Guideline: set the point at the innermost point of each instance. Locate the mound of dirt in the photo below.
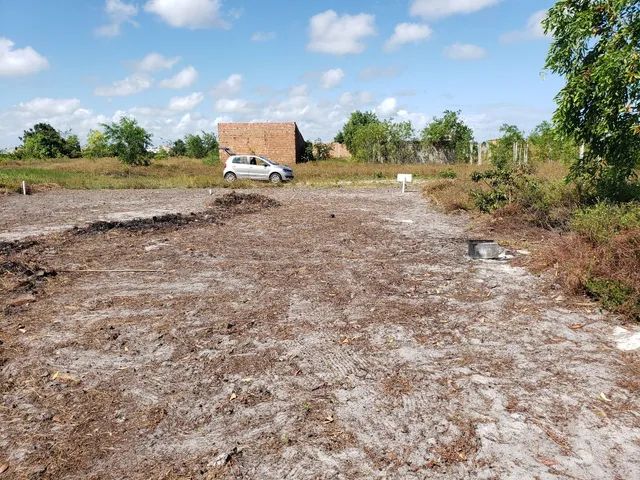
(218, 210)
(235, 199)
(20, 277)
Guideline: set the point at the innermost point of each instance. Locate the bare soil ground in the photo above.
(342, 334)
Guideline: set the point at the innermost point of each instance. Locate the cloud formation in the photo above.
(154, 62)
(405, 33)
(183, 79)
(332, 78)
(465, 51)
(433, 9)
(340, 34)
(182, 104)
(119, 13)
(192, 14)
(533, 30)
(130, 85)
(15, 62)
(229, 86)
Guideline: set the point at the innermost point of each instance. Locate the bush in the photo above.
(613, 294)
(602, 221)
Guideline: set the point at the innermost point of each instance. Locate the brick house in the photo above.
(281, 142)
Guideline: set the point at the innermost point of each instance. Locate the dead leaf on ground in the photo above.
(3, 467)
(577, 326)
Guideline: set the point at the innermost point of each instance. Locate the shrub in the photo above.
(602, 221)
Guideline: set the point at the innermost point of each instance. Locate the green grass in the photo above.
(109, 173)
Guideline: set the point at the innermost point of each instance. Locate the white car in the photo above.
(254, 167)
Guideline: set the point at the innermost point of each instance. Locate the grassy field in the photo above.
(109, 173)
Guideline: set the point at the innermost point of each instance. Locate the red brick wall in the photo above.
(281, 142)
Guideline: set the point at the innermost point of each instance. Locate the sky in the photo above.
(183, 66)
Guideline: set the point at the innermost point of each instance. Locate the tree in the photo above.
(596, 47)
(322, 150)
(195, 146)
(384, 142)
(449, 132)
(43, 141)
(72, 147)
(97, 145)
(178, 149)
(356, 121)
(128, 141)
(502, 149)
(548, 144)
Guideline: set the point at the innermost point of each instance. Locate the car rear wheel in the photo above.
(275, 178)
(230, 177)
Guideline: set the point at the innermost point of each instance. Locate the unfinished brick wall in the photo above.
(339, 150)
(281, 142)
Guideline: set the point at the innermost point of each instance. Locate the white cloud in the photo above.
(532, 31)
(49, 106)
(299, 91)
(263, 36)
(19, 61)
(340, 35)
(183, 79)
(445, 8)
(465, 51)
(191, 14)
(387, 108)
(229, 86)
(64, 114)
(154, 62)
(182, 104)
(128, 86)
(332, 78)
(228, 105)
(374, 73)
(407, 33)
(118, 12)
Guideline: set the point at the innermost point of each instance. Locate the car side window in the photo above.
(240, 160)
(253, 161)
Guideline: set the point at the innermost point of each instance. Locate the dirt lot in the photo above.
(342, 334)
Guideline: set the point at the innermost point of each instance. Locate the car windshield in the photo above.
(269, 161)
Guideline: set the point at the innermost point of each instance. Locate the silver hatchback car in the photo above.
(254, 167)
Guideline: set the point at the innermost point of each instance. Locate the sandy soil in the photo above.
(343, 334)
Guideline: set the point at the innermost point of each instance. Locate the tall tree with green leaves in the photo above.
(596, 47)
(97, 145)
(356, 121)
(449, 132)
(43, 141)
(129, 141)
(547, 144)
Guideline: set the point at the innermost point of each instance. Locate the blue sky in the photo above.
(181, 66)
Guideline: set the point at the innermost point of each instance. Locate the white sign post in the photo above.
(405, 178)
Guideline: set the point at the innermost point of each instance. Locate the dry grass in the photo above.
(109, 173)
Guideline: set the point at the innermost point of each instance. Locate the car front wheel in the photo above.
(275, 178)
(230, 177)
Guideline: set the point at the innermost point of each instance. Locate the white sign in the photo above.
(405, 178)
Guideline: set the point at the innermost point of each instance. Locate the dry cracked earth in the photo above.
(343, 334)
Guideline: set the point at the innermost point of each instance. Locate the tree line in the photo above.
(124, 139)
(370, 139)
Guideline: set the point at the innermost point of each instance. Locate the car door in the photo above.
(241, 167)
(262, 169)
(256, 169)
